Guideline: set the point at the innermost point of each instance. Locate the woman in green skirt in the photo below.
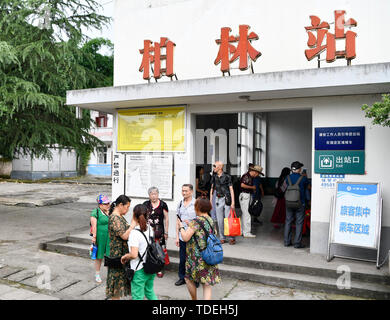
(99, 222)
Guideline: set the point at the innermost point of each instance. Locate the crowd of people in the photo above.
(122, 243)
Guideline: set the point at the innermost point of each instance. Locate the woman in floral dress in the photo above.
(196, 269)
(118, 231)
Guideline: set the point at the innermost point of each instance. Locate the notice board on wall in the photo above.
(149, 170)
(156, 129)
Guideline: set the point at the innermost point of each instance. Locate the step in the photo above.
(312, 267)
(255, 273)
(359, 289)
(323, 271)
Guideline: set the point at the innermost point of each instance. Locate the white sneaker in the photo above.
(249, 235)
(97, 278)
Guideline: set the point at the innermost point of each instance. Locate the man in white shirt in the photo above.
(186, 212)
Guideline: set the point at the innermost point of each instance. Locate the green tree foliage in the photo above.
(379, 111)
(40, 58)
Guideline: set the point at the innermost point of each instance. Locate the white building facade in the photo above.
(274, 110)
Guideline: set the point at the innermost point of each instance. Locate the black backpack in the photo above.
(155, 256)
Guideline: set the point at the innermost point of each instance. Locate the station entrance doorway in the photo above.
(272, 140)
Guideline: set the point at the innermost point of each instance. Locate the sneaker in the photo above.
(249, 235)
(299, 246)
(97, 278)
(160, 274)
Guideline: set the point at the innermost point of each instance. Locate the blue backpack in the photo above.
(213, 253)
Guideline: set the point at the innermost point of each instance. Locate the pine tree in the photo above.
(40, 58)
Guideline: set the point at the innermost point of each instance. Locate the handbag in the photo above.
(129, 273)
(255, 208)
(232, 225)
(112, 262)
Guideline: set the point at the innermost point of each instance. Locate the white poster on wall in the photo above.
(149, 170)
(117, 176)
(356, 214)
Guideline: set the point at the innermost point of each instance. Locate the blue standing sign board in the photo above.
(356, 217)
(340, 138)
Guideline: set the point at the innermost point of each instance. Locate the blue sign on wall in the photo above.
(340, 138)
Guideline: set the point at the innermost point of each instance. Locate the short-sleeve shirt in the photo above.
(186, 213)
(136, 239)
(248, 180)
(221, 184)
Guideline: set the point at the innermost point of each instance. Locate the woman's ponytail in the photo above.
(140, 212)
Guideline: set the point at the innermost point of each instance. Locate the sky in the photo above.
(108, 10)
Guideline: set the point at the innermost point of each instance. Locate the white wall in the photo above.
(345, 111)
(289, 139)
(194, 25)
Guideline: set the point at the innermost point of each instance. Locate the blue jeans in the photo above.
(182, 263)
(299, 215)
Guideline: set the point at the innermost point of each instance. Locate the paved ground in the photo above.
(29, 273)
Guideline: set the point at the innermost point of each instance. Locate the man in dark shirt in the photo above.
(297, 213)
(222, 184)
(247, 189)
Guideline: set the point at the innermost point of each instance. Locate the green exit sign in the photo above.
(335, 161)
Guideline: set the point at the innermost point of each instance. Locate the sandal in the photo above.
(232, 242)
(98, 279)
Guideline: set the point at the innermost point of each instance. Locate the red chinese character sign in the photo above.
(322, 29)
(228, 52)
(152, 55)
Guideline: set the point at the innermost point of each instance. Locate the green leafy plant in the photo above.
(379, 111)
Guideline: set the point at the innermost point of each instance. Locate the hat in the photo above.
(296, 165)
(102, 199)
(258, 169)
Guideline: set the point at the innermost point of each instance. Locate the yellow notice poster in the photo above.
(151, 129)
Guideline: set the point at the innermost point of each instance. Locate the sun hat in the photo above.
(102, 199)
(258, 169)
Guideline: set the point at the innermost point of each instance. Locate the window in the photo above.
(102, 155)
(242, 141)
(257, 139)
(101, 120)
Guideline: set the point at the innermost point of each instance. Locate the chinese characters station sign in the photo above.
(152, 55)
(315, 42)
(239, 47)
(228, 53)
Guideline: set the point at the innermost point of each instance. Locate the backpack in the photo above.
(293, 194)
(155, 256)
(255, 208)
(213, 253)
